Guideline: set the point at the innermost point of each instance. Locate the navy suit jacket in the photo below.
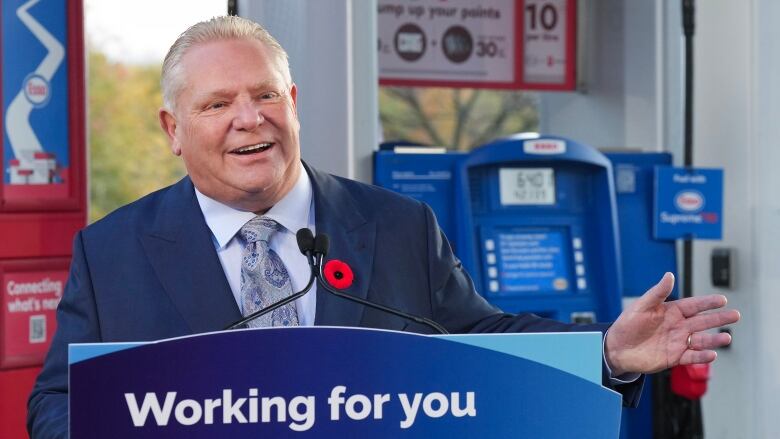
(150, 271)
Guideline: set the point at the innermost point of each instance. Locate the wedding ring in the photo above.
(689, 340)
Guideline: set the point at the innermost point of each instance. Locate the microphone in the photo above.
(321, 246)
(307, 246)
(315, 249)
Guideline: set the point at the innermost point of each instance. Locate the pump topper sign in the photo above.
(688, 203)
(503, 44)
(39, 133)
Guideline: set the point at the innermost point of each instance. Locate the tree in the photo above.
(457, 118)
(129, 154)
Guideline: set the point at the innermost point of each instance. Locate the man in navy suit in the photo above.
(169, 264)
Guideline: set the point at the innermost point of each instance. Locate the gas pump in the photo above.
(43, 187)
(644, 259)
(424, 173)
(532, 218)
(538, 227)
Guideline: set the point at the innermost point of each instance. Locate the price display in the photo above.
(548, 44)
(526, 186)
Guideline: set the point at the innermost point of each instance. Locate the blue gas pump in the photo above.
(549, 247)
(537, 227)
(534, 218)
(644, 259)
(423, 173)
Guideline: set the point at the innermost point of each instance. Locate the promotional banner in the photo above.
(506, 44)
(36, 125)
(28, 317)
(548, 48)
(343, 382)
(688, 203)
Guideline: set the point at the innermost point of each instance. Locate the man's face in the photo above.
(235, 124)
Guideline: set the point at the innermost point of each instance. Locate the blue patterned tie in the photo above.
(264, 278)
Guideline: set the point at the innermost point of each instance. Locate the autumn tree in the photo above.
(459, 119)
(128, 152)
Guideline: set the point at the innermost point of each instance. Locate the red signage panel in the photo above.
(548, 29)
(31, 291)
(499, 44)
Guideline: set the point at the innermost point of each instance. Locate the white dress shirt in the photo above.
(294, 212)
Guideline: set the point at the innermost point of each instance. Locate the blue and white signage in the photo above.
(688, 203)
(35, 138)
(348, 383)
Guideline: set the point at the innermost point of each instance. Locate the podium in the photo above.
(343, 382)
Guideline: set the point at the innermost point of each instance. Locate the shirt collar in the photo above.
(292, 211)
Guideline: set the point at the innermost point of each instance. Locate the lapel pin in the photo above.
(338, 274)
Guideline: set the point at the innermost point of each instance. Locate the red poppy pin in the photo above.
(338, 274)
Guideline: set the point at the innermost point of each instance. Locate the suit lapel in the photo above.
(180, 249)
(351, 241)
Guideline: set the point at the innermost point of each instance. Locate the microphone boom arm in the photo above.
(280, 303)
(315, 250)
(417, 319)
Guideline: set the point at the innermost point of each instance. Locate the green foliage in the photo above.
(456, 118)
(128, 152)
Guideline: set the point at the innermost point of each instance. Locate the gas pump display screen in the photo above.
(532, 260)
(526, 186)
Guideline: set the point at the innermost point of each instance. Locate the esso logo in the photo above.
(689, 201)
(542, 146)
(37, 90)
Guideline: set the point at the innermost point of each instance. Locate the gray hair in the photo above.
(215, 29)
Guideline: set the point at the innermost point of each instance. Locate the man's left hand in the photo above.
(652, 335)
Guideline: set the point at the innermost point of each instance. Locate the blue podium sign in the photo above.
(341, 382)
(688, 203)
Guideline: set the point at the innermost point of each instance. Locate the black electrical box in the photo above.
(720, 262)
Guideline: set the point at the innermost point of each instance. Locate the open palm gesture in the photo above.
(651, 334)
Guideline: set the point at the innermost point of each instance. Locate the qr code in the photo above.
(38, 329)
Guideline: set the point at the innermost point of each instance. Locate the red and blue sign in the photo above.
(38, 102)
(688, 203)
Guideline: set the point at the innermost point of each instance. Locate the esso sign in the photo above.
(689, 201)
(37, 90)
(544, 147)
